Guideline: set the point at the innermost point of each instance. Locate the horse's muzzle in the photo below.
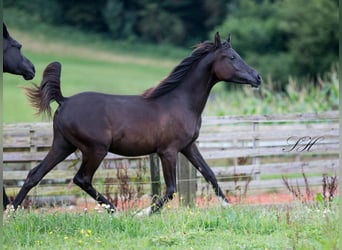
(29, 72)
(257, 82)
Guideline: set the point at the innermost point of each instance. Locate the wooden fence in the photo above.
(254, 151)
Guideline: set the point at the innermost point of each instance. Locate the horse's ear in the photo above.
(4, 31)
(217, 40)
(228, 39)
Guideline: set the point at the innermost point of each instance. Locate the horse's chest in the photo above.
(191, 130)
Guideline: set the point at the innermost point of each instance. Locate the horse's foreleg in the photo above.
(84, 176)
(168, 160)
(194, 156)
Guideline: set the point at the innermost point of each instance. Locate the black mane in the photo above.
(179, 72)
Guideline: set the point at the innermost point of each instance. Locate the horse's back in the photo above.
(116, 122)
(96, 108)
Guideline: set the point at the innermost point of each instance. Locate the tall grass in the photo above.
(241, 227)
(298, 97)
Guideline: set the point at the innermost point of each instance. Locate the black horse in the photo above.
(13, 60)
(15, 63)
(165, 120)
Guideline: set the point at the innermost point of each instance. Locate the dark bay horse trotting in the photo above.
(15, 63)
(13, 60)
(165, 119)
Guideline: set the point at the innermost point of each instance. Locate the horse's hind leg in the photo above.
(194, 156)
(60, 150)
(84, 176)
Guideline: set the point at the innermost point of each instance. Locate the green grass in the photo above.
(240, 227)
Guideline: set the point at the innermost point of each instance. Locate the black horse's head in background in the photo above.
(14, 61)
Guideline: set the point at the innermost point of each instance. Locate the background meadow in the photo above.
(115, 47)
(92, 68)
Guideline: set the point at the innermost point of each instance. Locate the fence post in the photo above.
(155, 176)
(33, 149)
(186, 181)
(255, 159)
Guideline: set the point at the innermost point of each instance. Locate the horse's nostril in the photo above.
(259, 77)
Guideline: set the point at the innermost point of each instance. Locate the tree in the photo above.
(312, 30)
(284, 37)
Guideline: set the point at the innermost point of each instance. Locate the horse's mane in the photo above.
(179, 72)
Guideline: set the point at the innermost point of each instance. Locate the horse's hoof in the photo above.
(144, 212)
(224, 203)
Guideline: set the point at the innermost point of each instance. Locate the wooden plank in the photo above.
(298, 144)
(297, 117)
(19, 138)
(313, 166)
(272, 134)
(69, 174)
(262, 128)
(38, 156)
(266, 151)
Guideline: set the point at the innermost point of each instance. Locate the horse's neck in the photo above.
(196, 87)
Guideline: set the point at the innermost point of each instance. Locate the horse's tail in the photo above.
(49, 90)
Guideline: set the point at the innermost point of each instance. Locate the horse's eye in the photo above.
(232, 57)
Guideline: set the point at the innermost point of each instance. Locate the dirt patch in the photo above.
(87, 204)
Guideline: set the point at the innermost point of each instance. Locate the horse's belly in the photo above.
(132, 147)
(130, 151)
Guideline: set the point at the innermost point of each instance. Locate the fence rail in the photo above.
(238, 147)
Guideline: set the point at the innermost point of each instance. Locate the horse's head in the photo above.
(13, 60)
(229, 66)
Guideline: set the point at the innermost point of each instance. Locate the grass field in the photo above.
(296, 226)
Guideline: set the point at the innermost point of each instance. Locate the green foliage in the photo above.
(83, 14)
(295, 226)
(119, 19)
(153, 23)
(313, 34)
(174, 22)
(282, 38)
(48, 11)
